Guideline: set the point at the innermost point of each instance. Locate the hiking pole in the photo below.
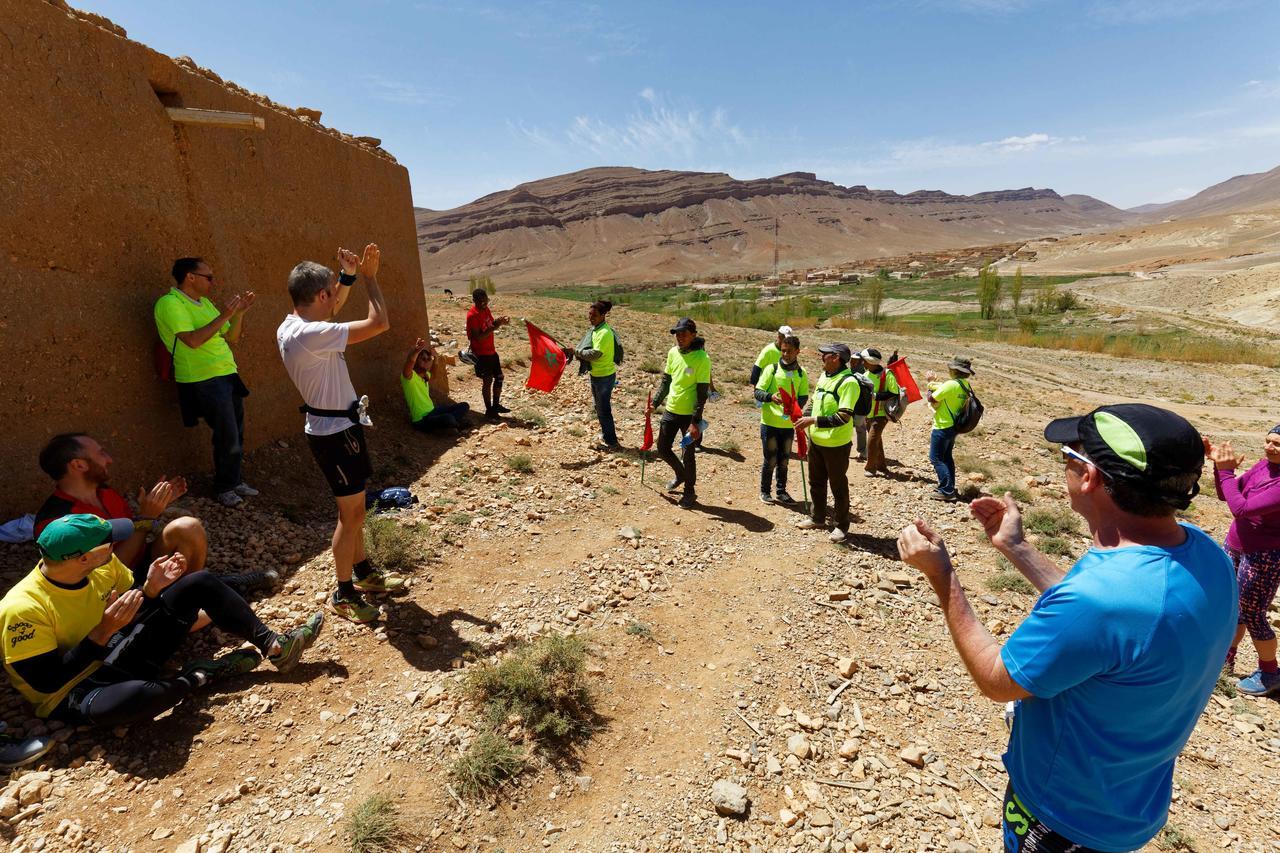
(804, 485)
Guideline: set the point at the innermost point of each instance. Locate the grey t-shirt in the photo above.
(314, 354)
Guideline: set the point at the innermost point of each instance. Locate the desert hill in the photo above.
(620, 224)
(1241, 193)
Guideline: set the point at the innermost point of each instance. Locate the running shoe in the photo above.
(837, 535)
(1260, 684)
(784, 498)
(354, 609)
(674, 484)
(19, 751)
(809, 524)
(244, 490)
(238, 662)
(765, 498)
(378, 581)
(295, 642)
(230, 498)
(936, 495)
(687, 500)
(501, 409)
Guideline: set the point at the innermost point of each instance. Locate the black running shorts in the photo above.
(343, 458)
(488, 366)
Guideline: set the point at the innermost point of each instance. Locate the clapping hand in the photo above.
(163, 572)
(922, 547)
(120, 611)
(246, 301)
(370, 261)
(1223, 456)
(348, 262)
(1001, 520)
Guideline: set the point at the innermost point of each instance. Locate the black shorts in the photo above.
(488, 367)
(343, 459)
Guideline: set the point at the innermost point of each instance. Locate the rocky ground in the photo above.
(807, 690)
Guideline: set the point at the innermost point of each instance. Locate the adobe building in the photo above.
(105, 181)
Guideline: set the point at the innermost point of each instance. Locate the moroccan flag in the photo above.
(905, 381)
(792, 410)
(546, 360)
(648, 424)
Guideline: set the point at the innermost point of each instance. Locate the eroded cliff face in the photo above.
(614, 223)
(103, 190)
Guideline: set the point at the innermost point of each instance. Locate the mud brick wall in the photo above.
(101, 191)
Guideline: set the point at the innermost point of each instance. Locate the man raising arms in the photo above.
(313, 348)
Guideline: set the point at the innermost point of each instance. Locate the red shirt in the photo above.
(479, 321)
(60, 503)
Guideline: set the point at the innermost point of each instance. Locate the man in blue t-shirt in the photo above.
(1119, 656)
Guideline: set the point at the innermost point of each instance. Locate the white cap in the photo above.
(785, 330)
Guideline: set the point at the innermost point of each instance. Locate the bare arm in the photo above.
(1002, 522)
(237, 319)
(922, 547)
(197, 338)
(418, 346)
(377, 320)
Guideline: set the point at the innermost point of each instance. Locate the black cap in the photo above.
(1135, 442)
(839, 349)
(684, 324)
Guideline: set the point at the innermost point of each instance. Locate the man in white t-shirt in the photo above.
(313, 348)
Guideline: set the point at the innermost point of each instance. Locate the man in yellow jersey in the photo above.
(197, 336)
(830, 425)
(596, 356)
(770, 354)
(947, 399)
(684, 388)
(884, 387)
(776, 430)
(415, 377)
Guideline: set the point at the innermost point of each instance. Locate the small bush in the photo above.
(730, 445)
(489, 761)
(374, 825)
(1174, 839)
(1057, 546)
(639, 629)
(1227, 686)
(1051, 522)
(521, 463)
(650, 365)
(1019, 493)
(1010, 581)
(544, 683)
(462, 519)
(532, 417)
(389, 544)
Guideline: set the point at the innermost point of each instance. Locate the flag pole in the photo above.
(804, 484)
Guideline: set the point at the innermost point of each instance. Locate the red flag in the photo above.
(791, 408)
(546, 360)
(905, 381)
(648, 424)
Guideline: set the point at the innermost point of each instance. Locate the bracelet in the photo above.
(346, 279)
(143, 523)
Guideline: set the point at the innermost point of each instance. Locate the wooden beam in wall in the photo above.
(216, 118)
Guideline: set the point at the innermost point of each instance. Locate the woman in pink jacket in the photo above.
(1254, 545)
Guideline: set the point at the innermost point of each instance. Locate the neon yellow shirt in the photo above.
(602, 339)
(687, 370)
(175, 313)
(949, 398)
(417, 396)
(882, 381)
(37, 616)
(775, 377)
(827, 401)
(769, 355)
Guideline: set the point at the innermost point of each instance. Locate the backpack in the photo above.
(162, 359)
(863, 407)
(970, 413)
(896, 407)
(617, 347)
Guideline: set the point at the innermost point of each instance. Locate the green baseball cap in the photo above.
(74, 535)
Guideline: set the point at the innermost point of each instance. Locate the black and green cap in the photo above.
(75, 535)
(1135, 442)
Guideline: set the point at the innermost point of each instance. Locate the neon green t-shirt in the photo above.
(687, 370)
(602, 339)
(775, 377)
(882, 381)
(176, 313)
(417, 396)
(769, 355)
(827, 401)
(949, 398)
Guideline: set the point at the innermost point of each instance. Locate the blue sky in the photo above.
(1132, 101)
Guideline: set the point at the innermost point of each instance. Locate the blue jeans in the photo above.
(222, 408)
(776, 442)
(941, 443)
(602, 396)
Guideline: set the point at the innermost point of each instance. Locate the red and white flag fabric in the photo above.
(906, 381)
(648, 424)
(791, 408)
(546, 360)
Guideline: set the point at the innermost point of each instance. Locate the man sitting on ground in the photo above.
(86, 647)
(424, 414)
(78, 466)
(1119, 656)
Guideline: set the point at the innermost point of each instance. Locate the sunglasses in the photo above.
(208, 276)
(1068, 453)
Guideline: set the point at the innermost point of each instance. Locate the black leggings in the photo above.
(686, 465)
(127, 688)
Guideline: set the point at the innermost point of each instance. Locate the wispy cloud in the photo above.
(398, 91)
(1147, 11)
(657, 129)
(564, 27)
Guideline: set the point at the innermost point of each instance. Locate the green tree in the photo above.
(988, 292)
(1015, 290)
(875, 299)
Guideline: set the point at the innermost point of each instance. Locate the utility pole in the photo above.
(775, 248)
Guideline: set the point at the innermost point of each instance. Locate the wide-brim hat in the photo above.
(963, 365)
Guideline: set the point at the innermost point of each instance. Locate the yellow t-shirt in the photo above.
(687, 370)
(417, 396)
(882, 381)
(602, 339)
(949, 398)
(37, 616)
(175, 313)
(827, 400)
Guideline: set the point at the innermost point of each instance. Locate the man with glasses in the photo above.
(1118, 657)
(197, 336)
